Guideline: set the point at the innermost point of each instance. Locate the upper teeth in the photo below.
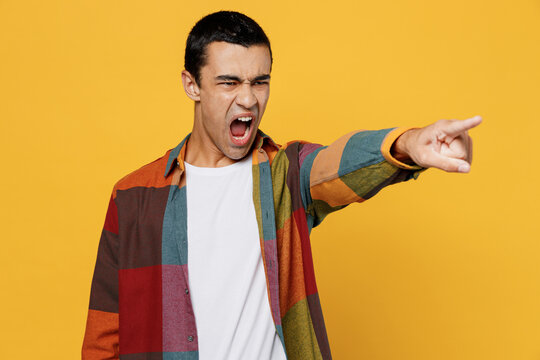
(245, 118)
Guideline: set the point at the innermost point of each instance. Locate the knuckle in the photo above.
(443, 122)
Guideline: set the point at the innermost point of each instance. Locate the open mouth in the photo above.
(241, 129)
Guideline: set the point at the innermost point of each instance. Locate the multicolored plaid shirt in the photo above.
(140, 306)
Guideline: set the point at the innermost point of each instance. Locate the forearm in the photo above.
(352, 169)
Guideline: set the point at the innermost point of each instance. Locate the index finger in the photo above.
(456, 127)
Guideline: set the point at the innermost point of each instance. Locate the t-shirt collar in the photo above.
(177, 155)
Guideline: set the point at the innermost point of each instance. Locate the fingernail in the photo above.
(464, 168)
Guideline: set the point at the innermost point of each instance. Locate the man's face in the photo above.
(234, 90)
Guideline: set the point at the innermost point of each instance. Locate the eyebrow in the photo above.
(236, 78)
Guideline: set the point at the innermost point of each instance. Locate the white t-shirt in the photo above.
(226, 273)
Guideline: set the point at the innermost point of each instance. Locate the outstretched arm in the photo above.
(353, 168)
(445, 145)
(356, 166)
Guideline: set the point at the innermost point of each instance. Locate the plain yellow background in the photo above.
(445, 267)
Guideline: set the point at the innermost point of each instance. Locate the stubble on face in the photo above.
(234, 90)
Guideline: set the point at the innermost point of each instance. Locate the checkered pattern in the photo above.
(140, 305)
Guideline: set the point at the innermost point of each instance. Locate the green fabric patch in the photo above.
(363, 181)
(319, 209)
(300, 340)
(282, 194)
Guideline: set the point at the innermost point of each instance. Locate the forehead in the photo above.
(224, 58)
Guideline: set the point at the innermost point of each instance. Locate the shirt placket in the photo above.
(179, 326)
(263, 182)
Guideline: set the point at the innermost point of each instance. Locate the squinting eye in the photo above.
(261, 82)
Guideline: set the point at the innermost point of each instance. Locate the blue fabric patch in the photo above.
(362, 149)
(305, 172)
(279, 330)
(174, 233)
(267, 202)
(185, 355)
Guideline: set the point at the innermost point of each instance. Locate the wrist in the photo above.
(399, 149)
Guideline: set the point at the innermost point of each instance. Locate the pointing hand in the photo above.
(445, 145)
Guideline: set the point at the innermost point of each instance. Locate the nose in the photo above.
(245, 97)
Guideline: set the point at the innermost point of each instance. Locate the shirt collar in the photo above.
(177, 155)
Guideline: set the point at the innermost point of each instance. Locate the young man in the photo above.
(205, 252)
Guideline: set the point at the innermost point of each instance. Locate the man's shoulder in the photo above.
(270, 145)
(150, 175)
(299, 149)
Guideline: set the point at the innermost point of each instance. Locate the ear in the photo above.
(190, 86)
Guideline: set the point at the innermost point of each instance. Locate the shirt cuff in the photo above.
(387, 143)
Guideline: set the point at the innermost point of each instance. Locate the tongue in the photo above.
(238, 128)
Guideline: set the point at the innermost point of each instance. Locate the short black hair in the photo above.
(228, 26)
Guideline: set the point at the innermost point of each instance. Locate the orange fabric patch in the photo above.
(326, 163)
(334, 193)
(271, 154)
(101, 336)
(150, 175)
(291, 272)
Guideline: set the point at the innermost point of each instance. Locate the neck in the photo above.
(201, 150)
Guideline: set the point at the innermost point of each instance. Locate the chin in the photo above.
(238, 153)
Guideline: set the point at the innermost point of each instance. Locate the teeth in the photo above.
(245, 118)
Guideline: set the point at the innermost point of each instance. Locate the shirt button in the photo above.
(187, 291)
(190, 338)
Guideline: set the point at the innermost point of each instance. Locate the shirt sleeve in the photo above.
(352, 169)
(101, 335)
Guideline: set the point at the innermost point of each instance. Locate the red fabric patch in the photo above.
(306, 150)
(111, 220)
(307, 259)
(178, 318)
(272, 269)
(140, 306)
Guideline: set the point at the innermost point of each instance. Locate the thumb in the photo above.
(448, 164)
